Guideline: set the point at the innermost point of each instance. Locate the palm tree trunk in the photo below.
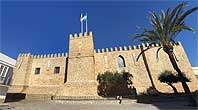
(185, 86)
(173, 87)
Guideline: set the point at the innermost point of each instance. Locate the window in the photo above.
(37, 71)
(57, 70)
(121, 62)
(1, 68)
(3, 74)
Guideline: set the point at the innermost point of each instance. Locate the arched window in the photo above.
(121, 62)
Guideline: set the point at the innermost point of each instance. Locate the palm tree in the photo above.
(165, 28)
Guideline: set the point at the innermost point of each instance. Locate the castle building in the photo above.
(75, 73)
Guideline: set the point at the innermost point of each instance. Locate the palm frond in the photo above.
(146, 36)
(166, 26)
(184, 15)
(177, 9)
(181, 27)
(176, 13)
(165, 22)
(155, 21)
(162, 16)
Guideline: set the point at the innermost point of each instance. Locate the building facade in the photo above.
(7, 65)
(75, 74)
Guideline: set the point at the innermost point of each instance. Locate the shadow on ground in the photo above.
(168, 101)
(144, 102)
(15, 97)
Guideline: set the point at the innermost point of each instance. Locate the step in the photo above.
(96, 101)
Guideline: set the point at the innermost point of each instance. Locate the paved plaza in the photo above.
(64, 105)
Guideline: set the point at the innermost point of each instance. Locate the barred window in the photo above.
(1, 68)
(37, 71)
(57, 70)
(4, 72)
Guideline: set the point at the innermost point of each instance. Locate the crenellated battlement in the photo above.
(43, 55)
(129, 48)
(124, 48)
(80, 35)
(24, 55)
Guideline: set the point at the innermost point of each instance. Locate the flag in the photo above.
(83, 18)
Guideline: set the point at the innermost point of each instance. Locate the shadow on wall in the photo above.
(167, 100)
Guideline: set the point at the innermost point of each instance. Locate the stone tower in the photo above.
(81, 58)
(81, 79)
(21, 73)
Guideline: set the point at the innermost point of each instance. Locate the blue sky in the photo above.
(44, 27)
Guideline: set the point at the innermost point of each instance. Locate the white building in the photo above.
(6, 68)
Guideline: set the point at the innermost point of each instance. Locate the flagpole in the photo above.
(81, 23)
(81, 27)
(86, 23)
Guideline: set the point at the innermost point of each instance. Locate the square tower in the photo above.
(81, 58)
(81, 79)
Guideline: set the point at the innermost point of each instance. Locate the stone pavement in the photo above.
(64, 105)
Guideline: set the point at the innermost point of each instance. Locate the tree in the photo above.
(166, 27)
(114, 83)
(169, 78)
